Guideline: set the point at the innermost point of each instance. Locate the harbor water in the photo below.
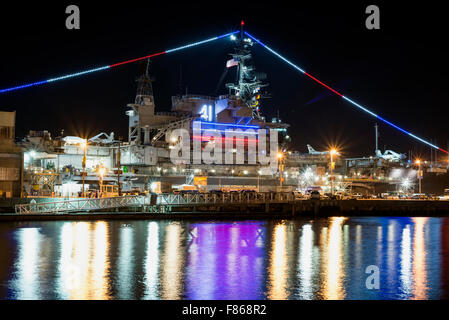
(303, 258)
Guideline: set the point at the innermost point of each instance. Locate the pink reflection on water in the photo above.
(225, 261)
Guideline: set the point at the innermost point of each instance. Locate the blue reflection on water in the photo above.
(324, 258)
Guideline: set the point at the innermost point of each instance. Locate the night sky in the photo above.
(399, 72)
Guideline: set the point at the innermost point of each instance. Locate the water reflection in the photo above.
(419, 260)
(278, 264)
(332, 264)
(305, 265)
(406, 262)
(293, 259)
(27, 277)
(358, 246)
(83, 261)
(202, 265)
(151, 261)
(391, 251)
(77, 274)
(125, 262)
(100, 265)
(171, 273)
(67, 272)
(225, 260)
(379, 246)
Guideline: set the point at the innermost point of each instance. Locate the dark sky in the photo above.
(399, 72)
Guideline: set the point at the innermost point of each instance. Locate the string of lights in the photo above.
(344, 97)
(77, 74)
(210, 40)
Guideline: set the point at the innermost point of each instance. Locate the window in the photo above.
(6, 133)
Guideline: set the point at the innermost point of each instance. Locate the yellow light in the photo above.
(101, 171)
(278, 264)
(333, 151)
(280, 155)
(83, 144)
(418, 161)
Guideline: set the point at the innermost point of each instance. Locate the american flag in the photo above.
(232, 62)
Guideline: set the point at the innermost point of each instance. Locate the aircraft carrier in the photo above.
(73, 166)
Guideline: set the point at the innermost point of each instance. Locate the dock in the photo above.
(251, 205)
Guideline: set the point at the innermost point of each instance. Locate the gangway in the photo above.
(224, 198)
(154, 204)
(80, 205)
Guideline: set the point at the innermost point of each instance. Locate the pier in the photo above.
(229, 205)
(79, 205)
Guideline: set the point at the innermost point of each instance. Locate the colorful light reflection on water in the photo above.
(268, 259)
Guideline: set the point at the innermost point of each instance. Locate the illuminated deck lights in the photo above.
(227, 124)
(230, 131)
(221, 139)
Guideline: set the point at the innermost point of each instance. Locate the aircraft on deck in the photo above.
(73, 140)
(107, 139)
(313, 151)
(390, 155)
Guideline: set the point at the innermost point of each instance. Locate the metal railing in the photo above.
(224, 198)
(80, 205)
(162, 200)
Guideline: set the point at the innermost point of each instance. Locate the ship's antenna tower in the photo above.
(143, 106)
(249, 84)
(144, 85)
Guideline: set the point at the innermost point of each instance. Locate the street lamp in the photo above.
(418, 162)
(84, 147)
(101, 171)
(332, 152)
(280, 157)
